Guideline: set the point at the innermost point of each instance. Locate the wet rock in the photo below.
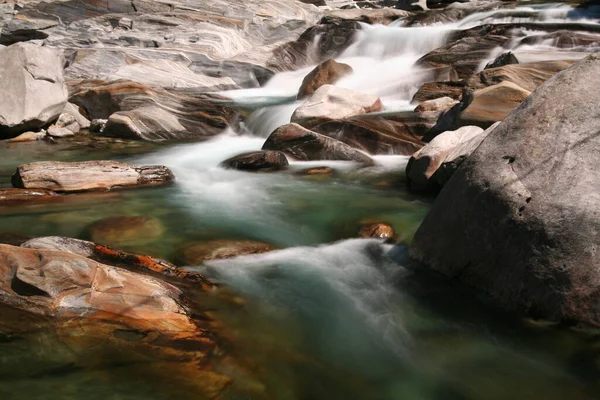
(326, 73)
(196, 254)
(34, 91)
(317, 171)
(136, 111)
(502, 60)
(98, 125)
(519, 219)
(439, 104)
(492, 104)
(390, 134)
(382, 16)
(334, 103)
(18, 196)
(378, 231)
(116, 257)
(324, 41)
(257, 161)
(88, 175)
(29, 136)
(126, 231)
(563, 39)
(435, 90)
(431, 167)
(63, 285)
(307, 145)
(60, 132)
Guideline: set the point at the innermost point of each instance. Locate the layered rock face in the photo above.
(519, 219)
(33, 89)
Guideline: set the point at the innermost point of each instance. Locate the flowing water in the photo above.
(326, 316)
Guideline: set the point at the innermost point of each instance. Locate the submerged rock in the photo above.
(196, 254)
(126, 230)
(88, 175)
(326, 73)
(330, 102)
(33, 88)
(519, 220)
(378, 231)
(307, 145)
(29, 137)
(257, 161)
(18, 196)
(502, 60)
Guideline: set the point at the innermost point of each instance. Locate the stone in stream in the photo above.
(73, 110)
(33, 88)
(29, 136)
(431, 167)
(378, 231)
(123, 231)
(135, 111)
(261, 161)
(326, 73)
(502, 60)
(10, 196)
(330, 102)
(435, 90)
(439, 104)
(197, 253)
(307, 145)
(88, 175)
(519, 219)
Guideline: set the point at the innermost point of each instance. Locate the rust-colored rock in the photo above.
(11, 196)
(197, 253)
(377, 230)
(256, 161)
(88, 175)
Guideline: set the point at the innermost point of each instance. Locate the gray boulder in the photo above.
(34, 92)
(520, 219)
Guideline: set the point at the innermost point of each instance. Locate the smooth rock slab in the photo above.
(307, 145)
(330, 102)
(88, 175)
(257, 161)
(326, 73)
(34, 92)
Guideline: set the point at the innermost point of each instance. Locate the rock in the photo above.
(382, 16)
(527, 76)
(29, 136)
(431, 167)
(61, 284)
(18, 196)
(196, 254)
(98, 125)
(126, 231)
(439, 104)
(502, 60)
(34, 91)
(115, 257)
(317, 171)
(390, 134)
(88, 175)
(378, 231)
(519, 219)
(563, 39)
(135, 111)
(334, 103)
(14, 239)
(60, 132)
(307, 145)
(324, 41)
(435, 90)
(492, 104)
(262, 161)
(326, 73)
(73, 110)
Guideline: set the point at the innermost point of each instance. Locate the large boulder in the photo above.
(34, 92)
(88, 175)
(326, 73)
(520, 218)
(330, 102)
(307, 145)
